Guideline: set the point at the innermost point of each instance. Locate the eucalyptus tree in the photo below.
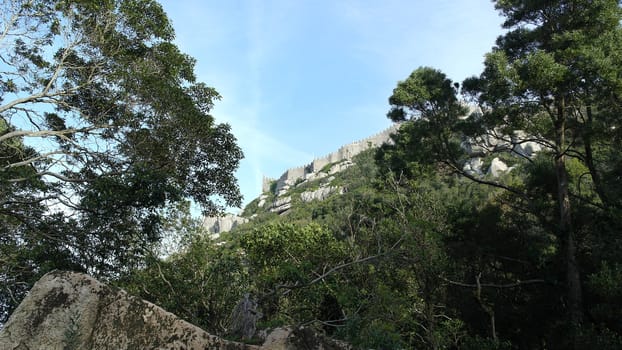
(107, 126)
(101, 90)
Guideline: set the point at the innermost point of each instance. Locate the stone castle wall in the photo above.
(348, 151)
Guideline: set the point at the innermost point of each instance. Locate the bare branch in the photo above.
(289, 287)
(35, 159)
(52, 174)
(342, 266)
(43, 133)
(510, 189)
(29, 202)
(493, 285)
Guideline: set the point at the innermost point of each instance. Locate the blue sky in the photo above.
(300, 78)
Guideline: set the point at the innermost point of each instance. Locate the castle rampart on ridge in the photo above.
(290, 176)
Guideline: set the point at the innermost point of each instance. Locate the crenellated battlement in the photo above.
(290, 176)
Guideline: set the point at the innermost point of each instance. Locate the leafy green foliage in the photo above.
(416, 253)
(285, 256)
(543, 225)
(201, 284)
(378, 251)
(122, 134)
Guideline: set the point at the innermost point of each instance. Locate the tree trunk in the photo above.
(589, 159)
(488, 309)
(569, 250)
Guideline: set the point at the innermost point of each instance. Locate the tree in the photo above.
(554, 80)
(427, 100)
(105, 127)
(293, 268)
(370, 272)
(102, 89)
(25, 243)
(556, 74)
(201, 283)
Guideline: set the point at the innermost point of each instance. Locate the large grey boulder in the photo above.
(262, 200)
(66, 310)
(524, 145)
(473, 166)
(527, 148)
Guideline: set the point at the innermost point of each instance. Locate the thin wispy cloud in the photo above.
(301, 78)
(393, 35)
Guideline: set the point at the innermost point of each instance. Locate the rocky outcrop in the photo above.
(262, 200)
(320, 194)
(339, 167)
(497, 168)
(519, 143)
(281, 205)
(473, 166)
(524, 145)
(225, 223)
(66, 310)
(492, 141)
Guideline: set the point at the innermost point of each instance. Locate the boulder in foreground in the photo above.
(66, 310)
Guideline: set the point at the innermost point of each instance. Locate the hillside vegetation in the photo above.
(433, 261)
(421, 245)
(420, 251)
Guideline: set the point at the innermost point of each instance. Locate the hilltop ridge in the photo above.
(345, 152)
(314, 180)
(273, 197)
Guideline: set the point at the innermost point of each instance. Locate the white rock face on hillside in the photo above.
(528, 149)
(339, 167)
(519, 143)
(497, 167)
(219, 224)
(262, 200)
(281, 205)
(473, 166)
(482, 145)
(524, 146)
(320, 194)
